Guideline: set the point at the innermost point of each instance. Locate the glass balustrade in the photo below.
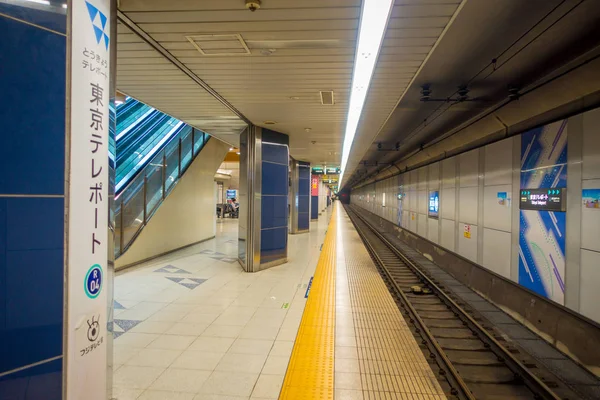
(138, 201)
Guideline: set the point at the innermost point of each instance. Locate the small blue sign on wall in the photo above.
(93, 281)
(434, 204)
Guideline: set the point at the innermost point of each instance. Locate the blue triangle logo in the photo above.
(98, 33)
(103, 20)
(92, 10)
(106, 41)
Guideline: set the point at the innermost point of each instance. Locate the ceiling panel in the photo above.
(296, 50)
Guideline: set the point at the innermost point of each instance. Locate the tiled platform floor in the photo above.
(194, 326)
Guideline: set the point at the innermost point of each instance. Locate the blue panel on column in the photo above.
(32, 266)
(314, 210)
(273, 244)
(42, 382)
(274, 153)
(56, 21)
(273, 212)
(274, 179)
(303, 221)
(32, 144)
(303, 204)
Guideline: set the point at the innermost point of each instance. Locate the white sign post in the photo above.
(87, 332)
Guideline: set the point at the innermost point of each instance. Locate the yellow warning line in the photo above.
(311, 370)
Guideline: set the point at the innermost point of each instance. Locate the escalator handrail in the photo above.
(135, 123)
(122, 185)
(155, 122)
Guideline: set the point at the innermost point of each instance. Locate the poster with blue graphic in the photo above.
(542, 233)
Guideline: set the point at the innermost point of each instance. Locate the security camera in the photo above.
(253, 5)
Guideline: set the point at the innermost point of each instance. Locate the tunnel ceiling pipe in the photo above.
(569, 90)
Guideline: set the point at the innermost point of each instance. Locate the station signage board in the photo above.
(332, 170)
(552, 199)
(318, 171)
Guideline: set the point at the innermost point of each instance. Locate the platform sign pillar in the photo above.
(86, 311)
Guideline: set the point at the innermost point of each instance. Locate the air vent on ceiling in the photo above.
(220, 45)
(327, 98)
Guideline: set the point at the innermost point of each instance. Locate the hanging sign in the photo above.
(87, 333)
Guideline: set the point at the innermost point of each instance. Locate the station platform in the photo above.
(193, 325)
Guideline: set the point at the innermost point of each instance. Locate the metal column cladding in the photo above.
(263, 196)
(300, 207)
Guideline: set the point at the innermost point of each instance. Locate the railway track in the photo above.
(472, 363)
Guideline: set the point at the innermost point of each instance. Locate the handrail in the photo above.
(139, 200)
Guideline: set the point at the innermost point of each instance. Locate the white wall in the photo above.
(589, 295)
(471, 186)
(187, 215)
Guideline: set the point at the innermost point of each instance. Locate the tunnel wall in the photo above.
(187, 215)
(556, 254)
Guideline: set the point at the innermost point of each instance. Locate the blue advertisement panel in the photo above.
(542, 233)
(434, 204)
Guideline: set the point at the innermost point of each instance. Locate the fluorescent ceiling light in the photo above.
(373, 21)
(44, 2)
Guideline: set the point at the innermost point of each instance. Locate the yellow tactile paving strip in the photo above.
(351, 316)
(390, 363)
(310, 372)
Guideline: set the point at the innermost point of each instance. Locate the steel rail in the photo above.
(536, 385)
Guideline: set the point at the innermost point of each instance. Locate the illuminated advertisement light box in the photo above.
(434, 204)
(550, 199)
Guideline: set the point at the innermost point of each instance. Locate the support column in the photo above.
(89, 191)
(263, 197)
(300, 207)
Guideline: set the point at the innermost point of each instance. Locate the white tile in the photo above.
(347, 365)
(212, 344)
(122, 354)
(259, 332)
(165, 395)
(347, 380)
(196, 359)
(210, 396)
(251, 346)
(172, 342)
(225, 331)
(282, 348)
(120, 393)
(268, 386)
(276, 365)
(168, 316)
(152, 327)
(195, 317)
(139, 340)
(251, 363)
(345, 394)
(230, 383)
(182, 380)
(154, 358)
(133, 377)
(193, 329)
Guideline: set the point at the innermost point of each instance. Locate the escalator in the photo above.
(153, 150)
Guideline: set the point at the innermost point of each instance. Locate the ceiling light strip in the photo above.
(373, 22)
